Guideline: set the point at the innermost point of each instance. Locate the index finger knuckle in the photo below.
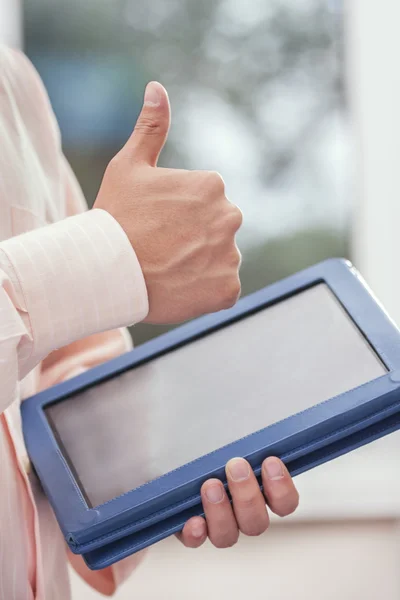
(214, 183)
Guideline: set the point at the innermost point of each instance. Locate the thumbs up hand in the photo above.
(180, 223)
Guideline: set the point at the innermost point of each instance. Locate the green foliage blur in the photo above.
(276, 66)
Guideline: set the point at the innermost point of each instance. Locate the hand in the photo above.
(248, 512)
(180, 223)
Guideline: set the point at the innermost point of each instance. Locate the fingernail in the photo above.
(198, 530)
(273, 468)
(215, 493)
(238, 469)
(152, 94)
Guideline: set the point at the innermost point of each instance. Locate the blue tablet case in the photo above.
(118, 527)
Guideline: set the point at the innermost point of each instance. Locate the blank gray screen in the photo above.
(148, 421)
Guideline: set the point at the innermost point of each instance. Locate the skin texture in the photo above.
(248, 513)
(182, 228)
(180, 223)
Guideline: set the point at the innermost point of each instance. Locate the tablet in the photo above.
(305, 369)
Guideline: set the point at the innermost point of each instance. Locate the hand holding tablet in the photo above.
(306, 369)
(247, 512)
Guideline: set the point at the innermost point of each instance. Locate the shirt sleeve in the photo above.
(61, 283)
(70, 279)
(65, 289)
(76, 358)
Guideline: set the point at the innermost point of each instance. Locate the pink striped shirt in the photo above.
(64, 279)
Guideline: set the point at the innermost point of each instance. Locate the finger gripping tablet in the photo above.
(306, 369)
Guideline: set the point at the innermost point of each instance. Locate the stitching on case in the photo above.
(286, 456)
(116, 555)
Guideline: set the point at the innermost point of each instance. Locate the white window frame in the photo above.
(366, 483)
(11, 23)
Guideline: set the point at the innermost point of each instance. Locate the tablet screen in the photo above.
(156, 417)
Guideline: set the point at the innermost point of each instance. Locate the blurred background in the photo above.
(257, 94)
(295, 104)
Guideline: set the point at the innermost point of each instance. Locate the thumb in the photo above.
(152, 126)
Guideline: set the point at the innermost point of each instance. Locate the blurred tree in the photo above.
(278, 51)
(275, 68)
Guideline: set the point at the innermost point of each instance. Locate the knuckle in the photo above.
(148, 126)
(233, 220)
(237, 218)
(231, 258)
(247, 504)
(114, 163)
(214, 182)
(236, 259)
(218, 181)
(232, 293)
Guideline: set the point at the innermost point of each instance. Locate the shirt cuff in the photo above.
(77, 277)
